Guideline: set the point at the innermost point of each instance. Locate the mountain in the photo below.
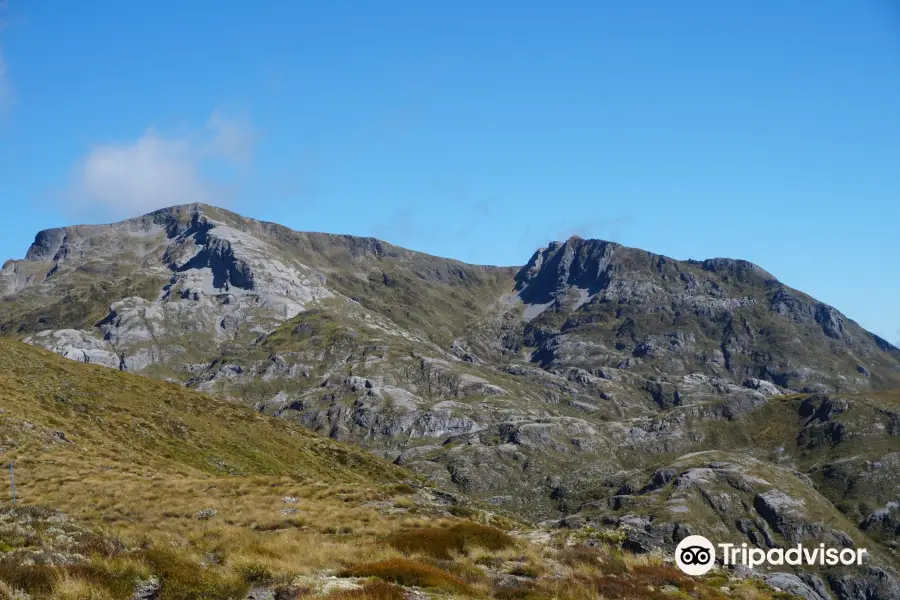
(131, 488)
(596, 386)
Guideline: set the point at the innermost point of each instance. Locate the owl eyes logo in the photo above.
(695, 555)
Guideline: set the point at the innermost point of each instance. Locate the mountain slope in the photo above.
(85, 420)
(553, 390)
(170, 494)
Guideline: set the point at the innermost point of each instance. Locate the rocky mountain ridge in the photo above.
(561, 390)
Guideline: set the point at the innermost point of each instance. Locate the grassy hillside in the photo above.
(80, 416)
(134, 488)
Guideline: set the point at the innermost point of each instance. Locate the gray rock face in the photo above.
(77, 345)
(18, 275)
(766, 388)
(874, 584)
(149, 589)
(786, 515)
(46, 244)
(832, 322)
(793, 584)
(885, 521)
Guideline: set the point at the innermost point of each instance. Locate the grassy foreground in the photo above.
(134, 488)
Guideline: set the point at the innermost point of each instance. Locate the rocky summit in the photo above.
(596, 386)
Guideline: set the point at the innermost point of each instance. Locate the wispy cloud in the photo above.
(452, 213)
(611, 228)
(402, 227)
(230, 138)
(157, 170)
(607, 228)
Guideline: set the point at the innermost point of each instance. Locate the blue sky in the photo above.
(479, 130)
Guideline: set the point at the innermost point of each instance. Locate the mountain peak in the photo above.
(56, 243)
(591, 263)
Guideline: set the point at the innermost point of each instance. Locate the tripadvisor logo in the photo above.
(696, 555)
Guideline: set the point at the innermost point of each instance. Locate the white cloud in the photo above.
(151, 172)
(155, 171)
(230, 138)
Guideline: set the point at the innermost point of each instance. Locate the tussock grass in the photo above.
(182, 580)
(69, 588)
(6, 592)
(38, 579)
(375, 590)
(445, 542)
(607, 561)
(522, 592)
(406, 572)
